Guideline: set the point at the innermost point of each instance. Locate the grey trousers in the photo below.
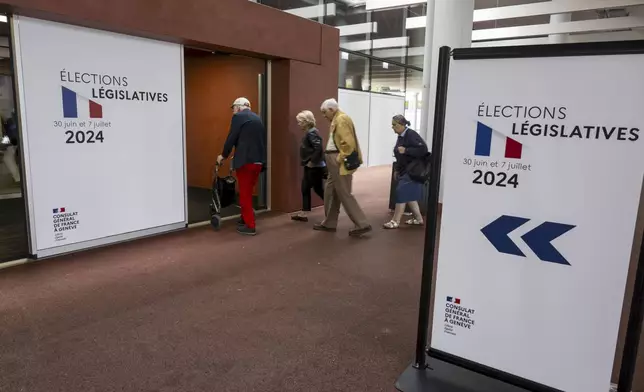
(338, 193)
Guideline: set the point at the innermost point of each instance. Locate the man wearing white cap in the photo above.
(246, 136)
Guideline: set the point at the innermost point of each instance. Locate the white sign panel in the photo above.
(102, 117)
(543, 172)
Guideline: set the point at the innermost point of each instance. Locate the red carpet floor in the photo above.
(288, 310)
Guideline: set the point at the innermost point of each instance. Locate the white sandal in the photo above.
(415, 222)
(390, 225)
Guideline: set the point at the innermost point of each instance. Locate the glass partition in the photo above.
(387, 78)
(354, 72)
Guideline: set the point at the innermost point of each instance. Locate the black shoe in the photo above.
(321, 227)
(245, 230)
(360, 231)
(299, 218)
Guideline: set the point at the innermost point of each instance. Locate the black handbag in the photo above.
(419, 169)
(351, 161)
(225, 187)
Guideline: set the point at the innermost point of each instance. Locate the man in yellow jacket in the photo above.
(342, 143)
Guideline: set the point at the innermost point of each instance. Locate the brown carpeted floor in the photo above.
(289, 310)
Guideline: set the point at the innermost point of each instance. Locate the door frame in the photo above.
(264, 85)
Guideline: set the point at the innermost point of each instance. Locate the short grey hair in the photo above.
(306, 117)
(330, 103)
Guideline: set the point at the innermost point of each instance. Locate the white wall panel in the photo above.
(574, 38)
(381, 137)
(314, 11)
(381, 43)
(356, 105)
(582, 26)
(357, 29)
(103, 141)
(382, 4)
(548, 8)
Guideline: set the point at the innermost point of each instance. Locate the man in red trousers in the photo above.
(246, 136)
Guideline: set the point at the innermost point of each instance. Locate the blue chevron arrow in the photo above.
(497, 233)
(539, 238)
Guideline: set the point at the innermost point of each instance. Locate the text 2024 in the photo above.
(80, 137)
(500, 179)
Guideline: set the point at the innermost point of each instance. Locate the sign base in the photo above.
(444, 377)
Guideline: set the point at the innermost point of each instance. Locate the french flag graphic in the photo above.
(77, 106)
(59, 210)
(490, 141)
(454, 300)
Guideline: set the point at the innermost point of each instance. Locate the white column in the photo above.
(342, 74)
(638, 12)
(452, 23)
(368, 63)
(410, 112)
(366, 75)
(559, 38)
(322, 6)
(427, 68)
(452, 27)
(559, 18)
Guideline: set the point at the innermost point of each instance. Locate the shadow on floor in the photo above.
(199, 206)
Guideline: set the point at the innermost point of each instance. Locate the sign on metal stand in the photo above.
(543, 165)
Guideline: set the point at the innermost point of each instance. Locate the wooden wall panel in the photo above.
(212, 84)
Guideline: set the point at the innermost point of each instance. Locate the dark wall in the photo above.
(304, 53)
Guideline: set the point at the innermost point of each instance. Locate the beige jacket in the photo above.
(343, 133)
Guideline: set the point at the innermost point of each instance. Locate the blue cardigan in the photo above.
(415, 147)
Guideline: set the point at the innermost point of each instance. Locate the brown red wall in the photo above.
(309, 85)
(238, 25)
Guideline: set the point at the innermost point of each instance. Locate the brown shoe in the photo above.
(360, 231)
(321, 227)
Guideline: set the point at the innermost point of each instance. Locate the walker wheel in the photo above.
(215, 222)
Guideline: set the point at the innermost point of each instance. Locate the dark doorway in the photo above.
(13, 227)
(212, 82)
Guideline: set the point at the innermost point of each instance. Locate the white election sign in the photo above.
(537, 149)
(102, 118)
